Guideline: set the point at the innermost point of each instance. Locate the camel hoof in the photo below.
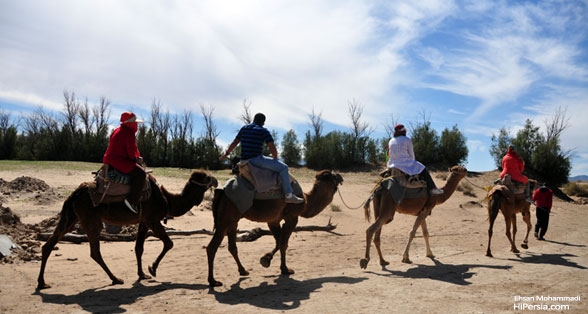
(42, 286)
(117, 281)
(143, 277)
(287, 271)
(489, 254)
(384, 263)
(406, 260)
(152, 271)
(265, 261)
(516, 251)
(363, 263)
(214, 283)
(525, 246)
(243, 272)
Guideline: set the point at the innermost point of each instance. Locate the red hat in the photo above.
(399, 128)
(128, 117)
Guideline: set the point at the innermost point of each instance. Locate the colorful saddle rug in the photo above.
(112, 186)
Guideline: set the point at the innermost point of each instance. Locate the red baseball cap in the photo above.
(128, 117)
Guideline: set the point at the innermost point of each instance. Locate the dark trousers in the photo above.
(138, 176)
(427, 176)
(542, 221)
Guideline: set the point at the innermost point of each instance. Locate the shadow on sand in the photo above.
(552, 259)
(284, 293)
(454, 274)
(110, 300)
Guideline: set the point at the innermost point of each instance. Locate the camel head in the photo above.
(192, 194)
(324, 188)
(202, 178)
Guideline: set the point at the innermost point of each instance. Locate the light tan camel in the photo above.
(501, 198)
(385, 208)
(272, 212)
(78, 207)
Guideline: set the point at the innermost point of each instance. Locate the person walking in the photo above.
(401, 156)
(123, 155)
(252, 137)
(543, 198)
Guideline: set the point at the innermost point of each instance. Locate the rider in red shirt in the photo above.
(514, 165)
(123, 155)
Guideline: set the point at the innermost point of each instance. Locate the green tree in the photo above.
(452, 147)
(291, 152)
(426, 144)
(499, 146)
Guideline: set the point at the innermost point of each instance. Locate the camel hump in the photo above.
(406, 181)
(112, 186)
(264, 180)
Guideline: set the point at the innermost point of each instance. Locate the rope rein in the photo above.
(352, 208)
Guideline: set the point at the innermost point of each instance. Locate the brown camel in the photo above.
(385, 208)
(501, 198)
(272, 212)
(78, 207)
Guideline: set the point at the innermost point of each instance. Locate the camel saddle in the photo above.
(256, 183)
(405, 180)
(112, 186)
(511, 189)
(398, 191)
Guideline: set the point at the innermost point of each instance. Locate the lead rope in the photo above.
(354, 208)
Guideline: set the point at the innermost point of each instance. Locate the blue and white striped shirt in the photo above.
(252, 137)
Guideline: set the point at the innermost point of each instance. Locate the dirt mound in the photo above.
(29, 189)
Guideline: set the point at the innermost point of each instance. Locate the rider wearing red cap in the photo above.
(123, 155)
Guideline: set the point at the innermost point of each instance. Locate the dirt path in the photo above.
(328, 279)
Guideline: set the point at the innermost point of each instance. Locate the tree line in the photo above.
(80, 132)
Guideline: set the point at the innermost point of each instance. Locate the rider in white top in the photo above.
(401, 156)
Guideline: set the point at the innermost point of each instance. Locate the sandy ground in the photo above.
(328, 278)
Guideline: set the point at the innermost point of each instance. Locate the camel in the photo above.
(501, 198)
(385, 208)
(78, 207)
(271, 211)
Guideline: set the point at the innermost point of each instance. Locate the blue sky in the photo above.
(480, 65)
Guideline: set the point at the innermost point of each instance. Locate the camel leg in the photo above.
(211, 250)
(159, 232)
(369, 233)
(287, 229)
(377, 243)
(93, 233)
(527, 220)
(426, 237)
(65, 225)
(420, 218)
(139, 248)
(276, 230)
(232, 237)
(508, 222)
(513, 222)
(492, 214)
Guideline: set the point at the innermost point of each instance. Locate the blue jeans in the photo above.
(281, 168)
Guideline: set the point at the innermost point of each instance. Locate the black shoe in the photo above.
(131, 206)
(541, 239)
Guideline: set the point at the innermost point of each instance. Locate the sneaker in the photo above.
(437, 191)
(293, 199)
(132, 207)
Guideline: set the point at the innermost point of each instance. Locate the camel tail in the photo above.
(366, 208)
(218, 193)
(494, 205)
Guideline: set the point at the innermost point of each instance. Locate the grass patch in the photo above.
(576, 189)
